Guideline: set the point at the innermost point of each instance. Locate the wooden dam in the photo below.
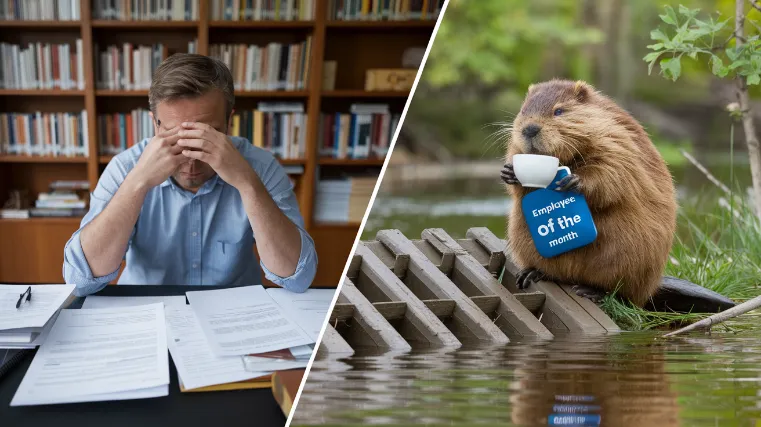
(438, 291)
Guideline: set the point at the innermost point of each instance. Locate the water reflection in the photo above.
(629, 379)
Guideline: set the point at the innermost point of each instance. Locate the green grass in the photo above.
(718, 247)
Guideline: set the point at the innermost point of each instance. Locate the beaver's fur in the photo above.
(626, 182)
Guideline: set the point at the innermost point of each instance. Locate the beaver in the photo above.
(627, 185)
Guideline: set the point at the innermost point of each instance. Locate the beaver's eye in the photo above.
(558, 111)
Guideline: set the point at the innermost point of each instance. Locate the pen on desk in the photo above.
(28, 293)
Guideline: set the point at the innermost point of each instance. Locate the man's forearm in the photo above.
(104, 240)
(278, 240)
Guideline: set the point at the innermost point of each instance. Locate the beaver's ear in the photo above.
(581, 91)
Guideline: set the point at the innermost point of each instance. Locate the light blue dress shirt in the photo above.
(183, 238)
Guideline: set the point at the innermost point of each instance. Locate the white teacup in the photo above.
(535, 170)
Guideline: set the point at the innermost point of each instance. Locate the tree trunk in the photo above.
(743, 98)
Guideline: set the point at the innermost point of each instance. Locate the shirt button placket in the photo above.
(196, 241)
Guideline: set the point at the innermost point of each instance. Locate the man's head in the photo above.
(191, 88)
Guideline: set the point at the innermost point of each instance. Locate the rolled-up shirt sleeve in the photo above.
(280, 188)
(76, 269)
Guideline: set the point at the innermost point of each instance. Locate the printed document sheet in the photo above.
(35, 313)
(97, 301)
(308, 309)
(196, 365)
(244, 320)
(99, 354)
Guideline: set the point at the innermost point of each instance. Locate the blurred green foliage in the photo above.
(502, 41)
(709, 38)
(487, 53)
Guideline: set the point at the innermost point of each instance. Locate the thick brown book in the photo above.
(285, 385)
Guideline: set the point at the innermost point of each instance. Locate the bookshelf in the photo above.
(31, 250)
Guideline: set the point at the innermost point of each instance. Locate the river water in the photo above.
(627, 379)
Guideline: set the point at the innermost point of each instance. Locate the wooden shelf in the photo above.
(336, 225)
(41, 92)
(285, 162)
(238, 94)
(45, 220)
(4, 158)
(272, 94)
(292, 162)
(330, 161)
(355, 93)
(264, 25)
(146, 25)
(109, 92)
(382, 25)
(40, 24)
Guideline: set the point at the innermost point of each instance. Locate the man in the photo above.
(187, 205)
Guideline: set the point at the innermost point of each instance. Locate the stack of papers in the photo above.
(99, 354)
(261, 330)
(28, 325)
(115, 348)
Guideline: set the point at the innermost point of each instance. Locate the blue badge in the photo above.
(559, 221)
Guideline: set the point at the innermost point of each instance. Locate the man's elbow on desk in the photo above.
(302, 278)
(76, 270)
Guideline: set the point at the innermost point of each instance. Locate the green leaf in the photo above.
(732, 53)
(652, 56)
(737, 64)
(754, 79)
(671, 16)
(668, 19)
(717, 66)
(658, 35)
(657, 46)
(672, 68)
(687, 12)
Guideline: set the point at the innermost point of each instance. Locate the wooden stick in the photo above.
(721, 317)
(705, 172)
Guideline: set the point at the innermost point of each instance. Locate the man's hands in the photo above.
(216, 149)
(161, 157)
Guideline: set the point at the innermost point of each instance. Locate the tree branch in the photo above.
(720, 317)
(755, 5)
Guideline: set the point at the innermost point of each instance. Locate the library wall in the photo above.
(73, 93)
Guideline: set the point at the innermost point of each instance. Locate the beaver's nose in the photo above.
(530, 131)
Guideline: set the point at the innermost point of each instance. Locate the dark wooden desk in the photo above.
(219, 408)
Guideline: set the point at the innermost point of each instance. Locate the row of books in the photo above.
(380, 10)
(40, 10)
(146, 10)
(53, 134)
(276, 66)
(366, 131)
(262, 10)
(277, 127)
(42, 66)
(343, 200)
(65, 199)
(130, 67)
(117, 132)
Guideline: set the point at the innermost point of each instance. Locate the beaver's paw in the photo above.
(508, 175)
(593, 294)
(528, 276)
(569, 183)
